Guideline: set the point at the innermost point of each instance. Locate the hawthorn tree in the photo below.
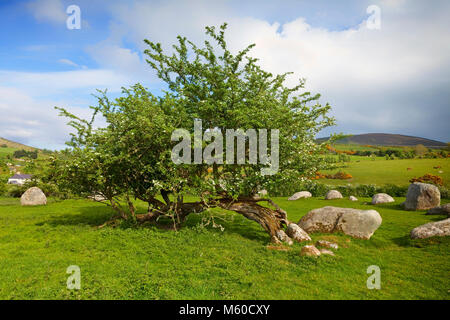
(130, 158)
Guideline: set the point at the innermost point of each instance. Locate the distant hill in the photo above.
(15, 145)
(386, 139)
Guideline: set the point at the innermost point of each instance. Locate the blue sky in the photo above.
(393, 79)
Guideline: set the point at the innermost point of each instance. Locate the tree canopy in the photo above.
(131, 157)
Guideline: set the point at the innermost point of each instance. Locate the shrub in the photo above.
(429, 178)
(445, 193)
(364, 190)
(2, 188)
(23, 153)
(340, 175)
(15, 191)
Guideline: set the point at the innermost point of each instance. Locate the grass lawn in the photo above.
(382, 171)
(6, 151)
(37, 244)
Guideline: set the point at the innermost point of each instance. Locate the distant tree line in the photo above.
(419, 151)
(24, 153)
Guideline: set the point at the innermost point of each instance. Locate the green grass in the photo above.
(6, 151)
(353, 147)
(382, 171)
(37, 244)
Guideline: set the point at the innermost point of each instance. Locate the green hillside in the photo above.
(15, 145)
(386, 139)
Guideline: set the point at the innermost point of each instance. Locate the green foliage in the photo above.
(343, 157)
(420, 150)
(15, 191)
(24, 153)
(319, 189)
(131, 156)
(3, 185)
(49, 189)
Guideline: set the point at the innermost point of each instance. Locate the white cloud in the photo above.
(51, 83)
(371, 77)
(35, 121)
(48, 10)
(391, 80)
(111, 56)
(68, 62)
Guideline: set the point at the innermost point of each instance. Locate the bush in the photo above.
(429, 178)
(2, 188)
(23, 153)
(15, 191)
(364, 190)
(340, 175)
(49, 189)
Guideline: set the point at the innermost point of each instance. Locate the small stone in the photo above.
(353, 198)
(283, 237)
(263, 193)
(333, 194)
(299, 195)
(326, 251)
(297, 233)
(382, 198)
(310, 251)
(327, 244)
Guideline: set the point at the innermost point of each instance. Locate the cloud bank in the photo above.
(393, 80)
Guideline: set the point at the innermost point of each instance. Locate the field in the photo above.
(37, 244)
(381, 171)
(6, 151)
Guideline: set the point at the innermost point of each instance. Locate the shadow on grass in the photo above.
(406, 241)
(95, 216)
(233, 224)
(403, 241)
(91, 216)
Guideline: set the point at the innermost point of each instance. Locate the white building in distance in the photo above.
(19, 179)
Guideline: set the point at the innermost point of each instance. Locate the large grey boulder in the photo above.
(444, 209)
(422, 196)
(299, 195)
(33, 197)
(353, 222)
(333, 194)
(297, 233)
(382, 198)
(432, 229)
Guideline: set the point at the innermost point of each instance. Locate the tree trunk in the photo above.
(271, 220)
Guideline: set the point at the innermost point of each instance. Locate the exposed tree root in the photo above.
(272, 220)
